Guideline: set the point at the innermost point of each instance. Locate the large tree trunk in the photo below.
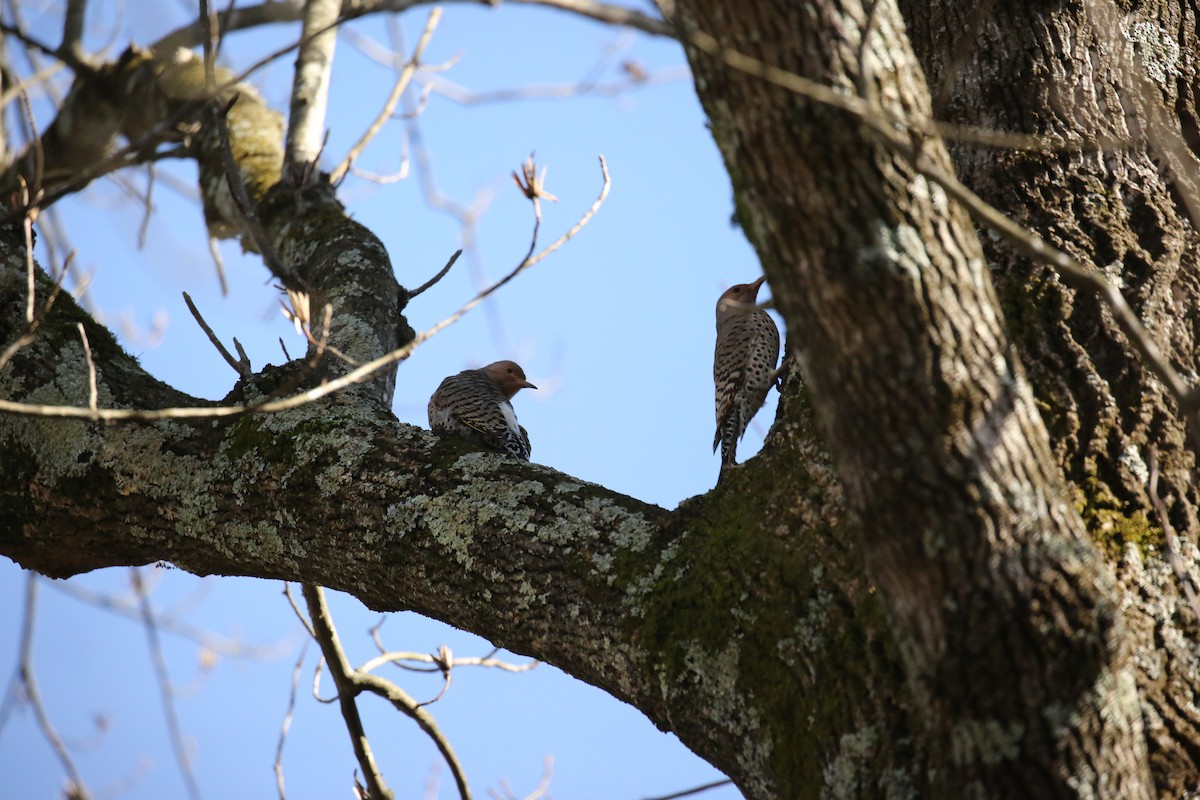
(1126, 203)
(902, 595)
(1011, 629)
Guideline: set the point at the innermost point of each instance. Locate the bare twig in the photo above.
(23, 340)
(273, 11)
(402, 81)
(241, 351)
(140, 151)
(347, 690)
(131, 610)
(441, 274)
(93, 392)
(237, 190)
(287, 722)
(287, 592)
(614, 88)
(1185, 579)
(164, 686)
(210, 40)
(383, 180)
(28, 680)
(396, 657)
(40, 78)
(351, 378)
(27, 338)
(18, 32)
(30, 283)
(316, 687)
(214, 249)
(241, 367)
(543, 787)
(351, 682)
(693, 791)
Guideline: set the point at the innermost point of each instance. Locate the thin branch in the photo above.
(426, 658)
(383, 180)
(287, 722)
(19, 33)
(441, 274)
(164, 685)
(30, 283)
(21, 341)
(210, 41)
(409, 707)
(351, 682)
(214, 249)
(464, 96)
(148, 202)
(140, 151)
(347, 690)
(389, 106)
(542, 790)
(242, 367)
(692, 791)
(316, 687)
(40, 78)
(237, 190)
(28, 338)
(93, 393)
(242, 357)
(28, 679)
(287, 592)
(227, 646)
(302, 398)
(274, 11)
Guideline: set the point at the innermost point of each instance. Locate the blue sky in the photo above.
(616, 327)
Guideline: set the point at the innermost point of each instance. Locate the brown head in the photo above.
(739, 299)
(509, 376)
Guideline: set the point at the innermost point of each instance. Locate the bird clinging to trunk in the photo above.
(475, 404)
(743, 364)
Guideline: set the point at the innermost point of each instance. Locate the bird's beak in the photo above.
(527, 385)
(755, 286)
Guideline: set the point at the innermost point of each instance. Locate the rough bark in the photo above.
(1125, 208)
(1009, 622)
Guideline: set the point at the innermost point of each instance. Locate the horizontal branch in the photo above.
(253, 16)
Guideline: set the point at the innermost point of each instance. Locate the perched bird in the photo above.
(475, 404)
(743, 364)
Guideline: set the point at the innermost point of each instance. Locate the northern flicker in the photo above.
(475, 404)
(743, 364)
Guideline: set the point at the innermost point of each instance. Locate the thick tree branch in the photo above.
(408, 521)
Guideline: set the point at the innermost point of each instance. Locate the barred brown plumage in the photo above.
(475, 404)
(743, 364)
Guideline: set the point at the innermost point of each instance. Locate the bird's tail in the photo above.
(727, 437)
